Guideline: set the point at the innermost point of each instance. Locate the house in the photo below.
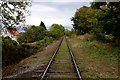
(11, 32)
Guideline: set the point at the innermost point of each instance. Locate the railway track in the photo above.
(62, 65)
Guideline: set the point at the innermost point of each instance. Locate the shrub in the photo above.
(32, 34)
(57, 30)
(9, 50)
(13, 52)
(67, 32)
(48, 40)
(41, 42)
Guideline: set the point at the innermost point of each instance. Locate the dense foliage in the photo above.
(30, 42)
(108, 20)
(84, 20)
(57, 30)
(101, 19)
(32, 34)
(36, 33)
(69, 33)
(11, 51)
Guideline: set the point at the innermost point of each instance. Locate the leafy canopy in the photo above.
(57, 30)
(13, 13)
(32, 34)
(108, 18)
(84, 20)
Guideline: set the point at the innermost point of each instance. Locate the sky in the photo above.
(54, 12)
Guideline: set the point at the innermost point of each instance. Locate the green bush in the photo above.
(41, 42)
(67, 32)
(13, 52)
(48, 40)
(32, 34)
(57, 31)
(9, 50)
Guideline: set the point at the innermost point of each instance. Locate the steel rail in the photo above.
(51, 60)
(75, 64)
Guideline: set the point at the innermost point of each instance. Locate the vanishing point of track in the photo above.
(52, 59)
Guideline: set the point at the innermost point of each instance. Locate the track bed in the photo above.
(62, 66)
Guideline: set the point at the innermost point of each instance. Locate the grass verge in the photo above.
(99, 60)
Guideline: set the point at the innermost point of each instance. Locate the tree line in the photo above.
(30, 42)
(36, 33)
(100, 19)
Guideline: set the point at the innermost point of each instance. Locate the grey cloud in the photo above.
(54, 10)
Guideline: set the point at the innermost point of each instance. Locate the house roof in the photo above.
(13, 31)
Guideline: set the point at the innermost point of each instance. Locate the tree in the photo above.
(13, 13)
(108, 19)
(32, 34)
(96, 5)
(84, 20)
(43, 25)
(72, 31)
(67, 32)
(57, 30)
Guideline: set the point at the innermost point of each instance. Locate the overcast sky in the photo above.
(53, 13)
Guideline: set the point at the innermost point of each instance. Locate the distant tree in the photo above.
(72, 31)
(43, 25)
(67, 32)
(57, 30)
(32, 34)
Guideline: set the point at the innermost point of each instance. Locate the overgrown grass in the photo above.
(99, 48)
(62, 59)
(33, 56)
(99, 59)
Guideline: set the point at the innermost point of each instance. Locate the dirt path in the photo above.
(28, 67)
